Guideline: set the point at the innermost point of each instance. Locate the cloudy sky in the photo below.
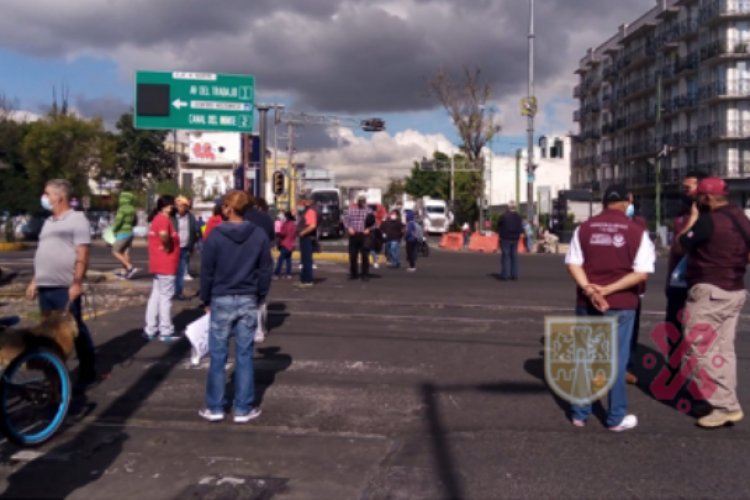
(341, 57)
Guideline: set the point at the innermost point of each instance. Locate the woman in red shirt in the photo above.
(287, 236)
(213, 221)
(163, 259)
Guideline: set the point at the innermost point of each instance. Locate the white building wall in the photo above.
(551, 172)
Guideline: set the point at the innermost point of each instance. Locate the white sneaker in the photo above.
(411, 269)
(188, 277)
(629, 422)
(207, 414)
(243, 419)
(131, 274)
(195, 360)
(260, 337)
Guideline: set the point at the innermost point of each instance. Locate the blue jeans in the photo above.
(182, 268)
(56, 299)
(237, 315)
(285, 256)
(509, 262)
(306, 256)
(393, 250)
(617, 397)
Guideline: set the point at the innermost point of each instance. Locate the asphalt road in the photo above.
(424, 385)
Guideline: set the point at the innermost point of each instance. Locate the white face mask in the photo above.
(46, 203)
(630, 211)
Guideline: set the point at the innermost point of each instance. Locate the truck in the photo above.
(436, 216)
(327, 203)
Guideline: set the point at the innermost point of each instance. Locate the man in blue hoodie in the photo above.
(235, 276)
(510, 228)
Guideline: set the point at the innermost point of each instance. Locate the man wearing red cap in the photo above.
(717, 242)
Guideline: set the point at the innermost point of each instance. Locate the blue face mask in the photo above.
(630, 212)
(46, 204)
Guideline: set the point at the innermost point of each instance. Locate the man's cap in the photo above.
(713, 185)
(615, 193)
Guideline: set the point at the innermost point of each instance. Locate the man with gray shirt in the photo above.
(60, 265)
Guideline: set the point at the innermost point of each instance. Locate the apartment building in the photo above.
(672, 87)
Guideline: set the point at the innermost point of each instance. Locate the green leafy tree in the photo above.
(435, 183)
(393, 192)
(66, 146)
(16, 194)
(140, 155)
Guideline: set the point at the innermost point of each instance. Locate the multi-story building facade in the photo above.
(671, 87)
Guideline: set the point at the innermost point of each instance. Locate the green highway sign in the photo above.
(194, 101)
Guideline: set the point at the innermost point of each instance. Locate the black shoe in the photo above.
(353, 277)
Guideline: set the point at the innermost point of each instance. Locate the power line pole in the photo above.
(263, 125)
(530, 118)
(660, 154)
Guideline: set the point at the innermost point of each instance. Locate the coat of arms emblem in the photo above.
(580, 361)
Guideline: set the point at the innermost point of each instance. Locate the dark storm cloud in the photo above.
(346, 56)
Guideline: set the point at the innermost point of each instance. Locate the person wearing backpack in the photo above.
(123, 231)
(716, 239)
(413, 236)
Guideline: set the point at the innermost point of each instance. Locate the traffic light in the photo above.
(278, 183)
(373, 125)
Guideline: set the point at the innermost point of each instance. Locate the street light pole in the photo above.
(530, 118)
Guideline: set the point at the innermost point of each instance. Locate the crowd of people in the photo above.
(610, 259)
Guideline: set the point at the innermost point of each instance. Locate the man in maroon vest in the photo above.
(717, 242)
(609, 257)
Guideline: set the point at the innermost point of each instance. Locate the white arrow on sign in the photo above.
(177, 103)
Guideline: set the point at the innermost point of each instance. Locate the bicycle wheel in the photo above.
(34, 397)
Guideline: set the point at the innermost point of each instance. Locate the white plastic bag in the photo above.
(197, 334)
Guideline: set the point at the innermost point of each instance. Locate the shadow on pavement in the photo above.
(93, 449)
(277, 315)
(445, 463)
(265, 368)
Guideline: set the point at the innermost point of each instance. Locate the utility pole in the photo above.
(292, 171)
(519, 154)
(453, 189)
(263, 125)
(530, 118)
(659, 155)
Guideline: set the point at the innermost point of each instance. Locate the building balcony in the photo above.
(736, 88)
(577, 91)
(609, 73)
(725, 48)
(724, 131)
(687, 64)
(719, 10)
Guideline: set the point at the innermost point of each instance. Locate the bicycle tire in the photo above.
(52, 369)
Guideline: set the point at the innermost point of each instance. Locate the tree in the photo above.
(393, 192)
(140, 154)
(466, 103)
(65, 146)
(435, 183)
(16, 194)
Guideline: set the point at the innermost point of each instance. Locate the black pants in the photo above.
(56, 299)
(633, 362)
(676, 298)
(411, 253)
(358, 248)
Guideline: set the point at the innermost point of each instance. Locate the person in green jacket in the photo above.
(123, 230)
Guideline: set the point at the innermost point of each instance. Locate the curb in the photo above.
(12, 247)
(340, 257)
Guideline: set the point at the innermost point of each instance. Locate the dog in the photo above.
(57, 330)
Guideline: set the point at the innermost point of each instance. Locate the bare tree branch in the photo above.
(466, 103)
